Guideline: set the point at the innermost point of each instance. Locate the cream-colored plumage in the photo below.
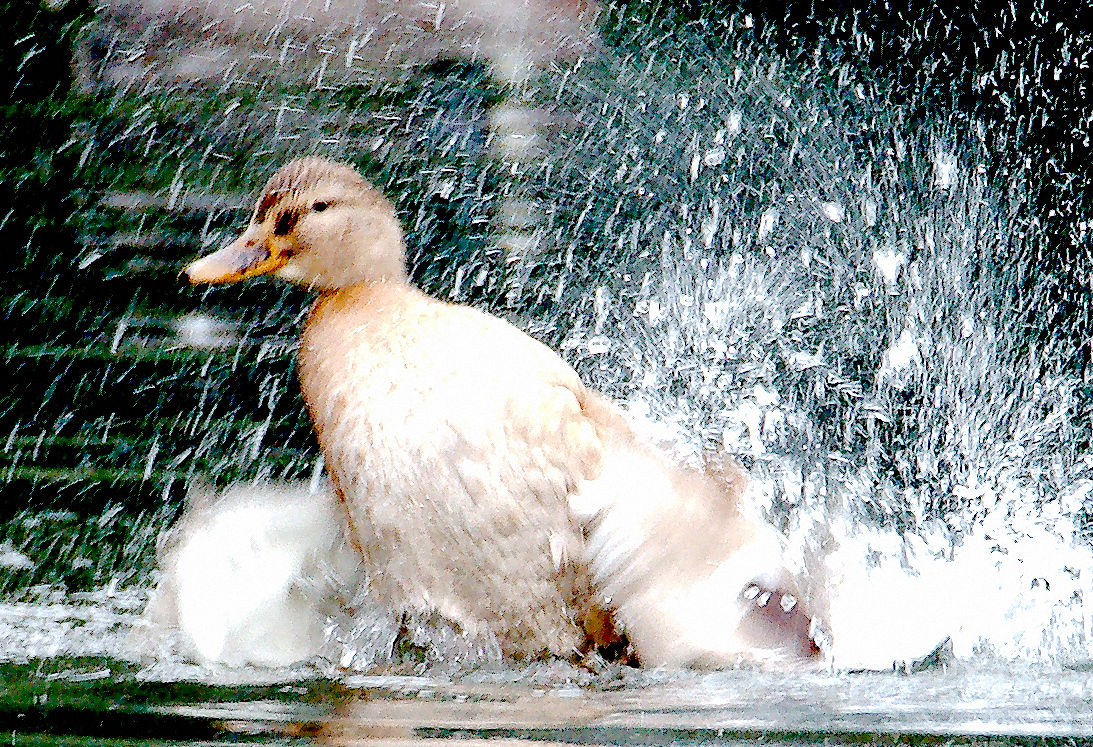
(481, 479)
(455, 442)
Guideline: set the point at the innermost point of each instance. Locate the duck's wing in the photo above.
(691, 578)
(248, 576)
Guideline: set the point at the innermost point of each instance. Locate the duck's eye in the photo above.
(319, 206)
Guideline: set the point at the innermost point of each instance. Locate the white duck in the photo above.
(481, 480)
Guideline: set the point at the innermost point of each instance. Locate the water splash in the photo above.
(867, 349)
(766, 258)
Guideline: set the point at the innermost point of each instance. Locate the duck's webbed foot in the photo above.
(603, 638)
(777, 619)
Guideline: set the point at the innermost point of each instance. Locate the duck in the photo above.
(481, 481)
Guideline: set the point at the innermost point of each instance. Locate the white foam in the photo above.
(249, 576)
(1010, 587)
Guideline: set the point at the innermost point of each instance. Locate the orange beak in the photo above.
(246, 257)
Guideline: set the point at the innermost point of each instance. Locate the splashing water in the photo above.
(844, 312)
(765, 258)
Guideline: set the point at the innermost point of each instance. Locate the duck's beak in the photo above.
(249, 255)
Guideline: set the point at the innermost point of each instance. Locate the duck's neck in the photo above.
(341, 322)
(387, 268)
(366, 297)
(377, 286)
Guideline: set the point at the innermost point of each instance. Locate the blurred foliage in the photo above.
(36, 150)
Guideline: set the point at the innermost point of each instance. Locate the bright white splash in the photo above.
(888, 263)
(833, 211)
(735, 122)
(899, 357)
(945, 170)
(13, 559)
(1006, 573)
(1013, 587)
(249, 575)
(767, 221)
(204, 331)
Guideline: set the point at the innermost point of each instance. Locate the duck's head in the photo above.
(318, 223)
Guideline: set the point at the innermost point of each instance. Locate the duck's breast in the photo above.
(455, 440)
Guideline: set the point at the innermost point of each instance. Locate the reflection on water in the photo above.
(550, 703)
(69, 672)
